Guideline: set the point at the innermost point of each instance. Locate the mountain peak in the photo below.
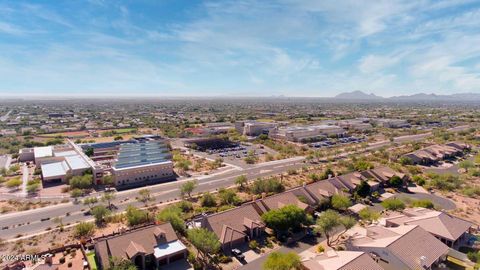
(356, 95)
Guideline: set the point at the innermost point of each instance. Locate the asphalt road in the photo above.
(30, 222)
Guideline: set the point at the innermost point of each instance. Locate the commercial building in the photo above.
(148, 247)
(398, 248)
(392, 123)
(142, 163)
(448, 229)
(254, 128)
(305, 133)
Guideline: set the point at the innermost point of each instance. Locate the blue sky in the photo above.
(238, 48)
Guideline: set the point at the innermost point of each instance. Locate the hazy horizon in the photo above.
(242, 48)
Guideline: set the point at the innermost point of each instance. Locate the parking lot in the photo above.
(236, 154)
(335, 142)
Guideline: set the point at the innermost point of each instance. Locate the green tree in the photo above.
(341, 202)
(228, 196)
(100, 212)
(367, 214)
(108, 180)
(287, 218)
(187, 188)
(205, 241)
(173, 214)
(90, 202)
(121, 264)
(144, 196)
(33, 188)
(136, 216)
(395, 181)
(241, 181)
(108, 197)
(81, 182)
(84, 229)
(76, 193)
(363, 189)
(329, 220)
(405, 161)
(282, 261)
(208, 200)
(270, 185)
(393, 204)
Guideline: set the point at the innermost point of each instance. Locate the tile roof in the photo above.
(127, 244)
(342, 260)
(408, 243)
(230, 225)
(436, 222)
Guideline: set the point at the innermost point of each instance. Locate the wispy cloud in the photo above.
(244, 46)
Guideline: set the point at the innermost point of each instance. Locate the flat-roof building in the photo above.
(141, 163)
(301, 133)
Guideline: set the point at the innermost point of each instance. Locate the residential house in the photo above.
(148, 247)
(341, 260)
(448, 229)
(398, 248)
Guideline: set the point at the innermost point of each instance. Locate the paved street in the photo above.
(29, 222)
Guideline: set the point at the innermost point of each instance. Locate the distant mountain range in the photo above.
(359, 95)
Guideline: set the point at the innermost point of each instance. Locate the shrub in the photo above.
(84, 229)
(341, 202)
(320, 249)
(423, 203)
(208, 200)
(395, 181)
(393, 204)
(271, 185)
(253, 244)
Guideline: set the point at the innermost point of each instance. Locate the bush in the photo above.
(320, 249)
(208, 200)
(395, 181)
(341, 202)
(423, 203)
(84, 229)
(62, 260)
(393, 204)
(271, 185)
(419, 180)
(136, 216)
(253, 244)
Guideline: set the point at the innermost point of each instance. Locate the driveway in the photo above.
(440, 202)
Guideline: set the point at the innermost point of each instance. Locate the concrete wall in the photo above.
(143, 173)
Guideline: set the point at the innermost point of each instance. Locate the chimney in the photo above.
(264, 195)
(304, 184)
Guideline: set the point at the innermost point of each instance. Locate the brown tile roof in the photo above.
(408, 243)
(417, 243)
(362, 262)
(229, 225)
(436, 222)
(342, 260)
(127, 244)
(286, 198)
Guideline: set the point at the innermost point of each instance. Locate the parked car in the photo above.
(238, 254)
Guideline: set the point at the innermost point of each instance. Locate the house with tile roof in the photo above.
(448, 229)
(437, 152)
(235, 226)
(147, 247)
(398, 248)
(341, 260)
